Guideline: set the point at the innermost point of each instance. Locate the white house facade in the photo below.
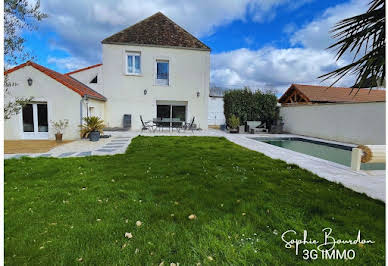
(153, 69)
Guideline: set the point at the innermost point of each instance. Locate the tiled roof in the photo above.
(157, 30)
(68, 81)
(82, 69)
(336, 94)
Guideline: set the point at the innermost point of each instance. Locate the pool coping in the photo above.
(372, 183)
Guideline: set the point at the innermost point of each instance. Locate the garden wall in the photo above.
(359, 123)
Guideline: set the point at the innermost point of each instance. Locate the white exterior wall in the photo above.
(189, 73)
(216, 115)
(359, 123)
(85, 76)
(96, 108)
(62, 102)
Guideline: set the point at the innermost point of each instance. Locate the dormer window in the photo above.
(133, 64)
(162, 72)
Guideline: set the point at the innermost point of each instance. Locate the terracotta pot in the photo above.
(58, 137)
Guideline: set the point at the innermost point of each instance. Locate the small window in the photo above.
(133, 64)
(94, 80)
(162, 72)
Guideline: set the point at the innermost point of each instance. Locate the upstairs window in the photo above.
(162, 72)
(133, 64)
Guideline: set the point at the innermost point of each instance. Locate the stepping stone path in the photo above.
(66, 154)
(109, 148)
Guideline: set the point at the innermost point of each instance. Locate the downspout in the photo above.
(80, 111)
(83, 99)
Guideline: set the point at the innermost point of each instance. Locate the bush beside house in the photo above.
(250, 106)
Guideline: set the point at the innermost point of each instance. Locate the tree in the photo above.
(365, 36)
(19, 15)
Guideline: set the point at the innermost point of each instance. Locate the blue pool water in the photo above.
(332, 152)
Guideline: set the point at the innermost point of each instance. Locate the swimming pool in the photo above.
(328, 151)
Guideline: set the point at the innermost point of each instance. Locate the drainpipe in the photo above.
(80, 112)
(83, 100)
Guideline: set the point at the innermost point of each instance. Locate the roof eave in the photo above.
(155, 45)
(96, 98)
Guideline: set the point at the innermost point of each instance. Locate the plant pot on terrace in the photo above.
(92, 128)
(233, 124)
(94, 136)
(59, 127)
(58, 137)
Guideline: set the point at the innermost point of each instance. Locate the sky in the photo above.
(263, 44)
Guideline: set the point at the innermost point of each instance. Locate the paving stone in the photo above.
(112, 146)
(45, 155)
(106, 150)
(116, 143)
(85, 153)
(66, 154)
(117, 140)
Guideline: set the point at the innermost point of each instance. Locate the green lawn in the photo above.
(77, 210)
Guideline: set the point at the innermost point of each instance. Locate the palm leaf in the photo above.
(365, 32)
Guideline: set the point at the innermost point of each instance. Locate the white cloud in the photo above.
(271, 68)
(81, 30)
(278, 68)
(316, 33)
(82, 25)
(67, 64)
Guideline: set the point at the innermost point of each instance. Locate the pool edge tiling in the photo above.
(372, 183)
(333, 152)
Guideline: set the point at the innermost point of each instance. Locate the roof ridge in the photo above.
(82, 69)
(127, 28)
(61, 78)
(157, 30)
(183, 29)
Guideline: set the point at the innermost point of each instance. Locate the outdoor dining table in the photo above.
(169, 123)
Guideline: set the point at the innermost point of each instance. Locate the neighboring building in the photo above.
(153, 69)
(309, 94)
(338, 114)
(216, 115)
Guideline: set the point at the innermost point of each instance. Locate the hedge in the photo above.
(250, 106)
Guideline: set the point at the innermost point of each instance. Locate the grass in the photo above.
(30, 146)
(77, 210)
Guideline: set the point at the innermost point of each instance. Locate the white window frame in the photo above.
(162, 82)
(133, 63)
(35, 134)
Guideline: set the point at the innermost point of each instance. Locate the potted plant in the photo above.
(233, 123)
(59, 127)
(92, 128)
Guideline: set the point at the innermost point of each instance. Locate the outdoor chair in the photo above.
(148, 125)
(187, 126)
(259, 129)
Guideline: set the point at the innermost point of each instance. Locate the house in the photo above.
(216, 116)
(153, 69)
(309, 94)
(334, 113)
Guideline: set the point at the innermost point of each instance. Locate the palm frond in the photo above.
(365, 32)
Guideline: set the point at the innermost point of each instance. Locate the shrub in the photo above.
(60, 126)
(250, 106)
(234, 122)
(92, 123)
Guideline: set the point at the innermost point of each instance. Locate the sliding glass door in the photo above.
(35, 121)
(173, 114)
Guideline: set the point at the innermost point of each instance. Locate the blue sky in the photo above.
(257, 43)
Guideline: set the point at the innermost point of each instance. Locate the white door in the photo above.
(35, 121)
